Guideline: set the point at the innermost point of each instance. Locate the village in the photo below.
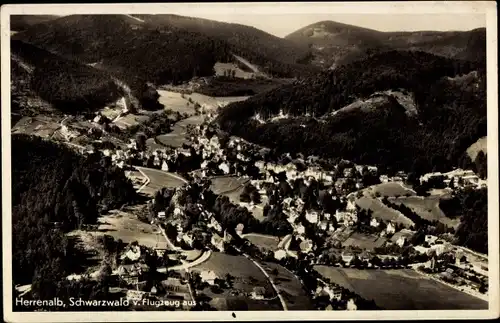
(315, 203)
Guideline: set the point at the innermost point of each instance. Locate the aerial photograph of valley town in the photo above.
(163, 162)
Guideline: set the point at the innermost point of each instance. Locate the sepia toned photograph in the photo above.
(332, 160)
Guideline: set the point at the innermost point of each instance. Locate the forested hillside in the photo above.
(55, 190)
(334, 44)
(131, 51)
(451, 112)
(472, 208)
(275, 55)
(139, 52)
(68, 85)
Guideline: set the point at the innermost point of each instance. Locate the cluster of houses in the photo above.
(457, 178)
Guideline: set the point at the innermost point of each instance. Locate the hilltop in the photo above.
(335, 44)
(243, 38)
(301, 116)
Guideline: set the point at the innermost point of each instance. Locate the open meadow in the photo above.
(381, 211)
(126, 226)
(221, 68)
(246, 276)
(401, 289)
(389, 189)
(263, 240)
(175, 101)
(427, 208)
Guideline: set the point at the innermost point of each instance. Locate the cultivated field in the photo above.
(381, 211)
(427, 208)
(389, 189)
(125, 226)
(401, 289)
(159, 179)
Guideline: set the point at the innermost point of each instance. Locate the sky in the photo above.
(282, 18)
(283, 24)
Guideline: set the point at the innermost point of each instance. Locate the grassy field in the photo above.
(389, 189)
(364, 241)
(381, 211)
(247, 275)
(152, 145)
(159, 179)
(427, 208)
(220, 68)
(131, 120)
(221, 185)
(401, 289)
(125, 225)
(290, 287)
(175, 102)
(111, 113)
(263, 241)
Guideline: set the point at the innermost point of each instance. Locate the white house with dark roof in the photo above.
(208, 276)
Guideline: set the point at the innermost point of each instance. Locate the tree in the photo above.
(141, 141)
(105, 272)
(375, 261)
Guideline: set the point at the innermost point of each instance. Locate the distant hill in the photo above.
(47, 78)
(157, 49)
(23, 22)
(334, 43)
(450, 112)
(136, 52)
(244, 38)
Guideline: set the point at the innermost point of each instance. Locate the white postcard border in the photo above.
(489, 8)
